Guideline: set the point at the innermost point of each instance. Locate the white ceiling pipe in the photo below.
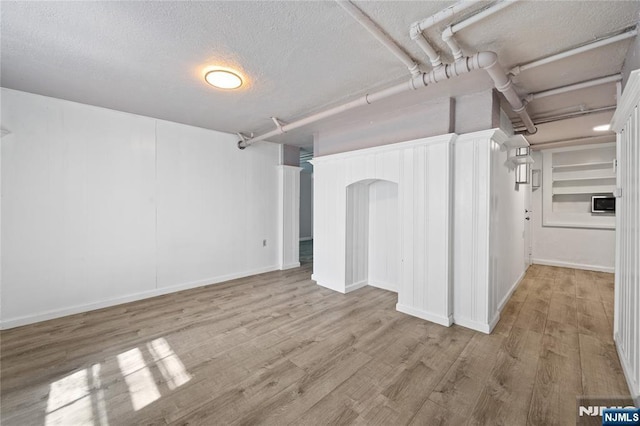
(496, 7)
(505, 86)
(571, 142)
(441, 16)
(482, 60)
(417, 28)
(486, 60)
(550, 119)
(380, 35)
(432, 54)
(564, 89)
(414, 83)
(447, 34)
(567, 53)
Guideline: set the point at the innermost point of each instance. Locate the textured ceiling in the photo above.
(297, 57)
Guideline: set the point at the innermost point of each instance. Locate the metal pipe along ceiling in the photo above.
(564, 89)
(567, 53)
(380, 35)
(487, 61)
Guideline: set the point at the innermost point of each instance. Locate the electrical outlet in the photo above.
(264, 243)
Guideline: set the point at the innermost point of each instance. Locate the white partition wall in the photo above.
(355, 192)
(473, 304)
(288, 217)
(488, 242)
(626, 122)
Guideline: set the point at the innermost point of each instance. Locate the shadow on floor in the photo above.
(306, 251)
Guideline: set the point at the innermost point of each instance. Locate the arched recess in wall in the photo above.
(372, 234)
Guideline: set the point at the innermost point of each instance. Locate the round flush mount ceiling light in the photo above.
(223, 79)
(602, 128)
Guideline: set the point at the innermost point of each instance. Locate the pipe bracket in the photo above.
(279, 125)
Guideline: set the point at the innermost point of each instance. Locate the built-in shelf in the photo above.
(594, 189)
(584, 178)
(598, 164)
(572, 175)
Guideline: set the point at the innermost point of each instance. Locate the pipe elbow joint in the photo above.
(535, 130)
(447, 34)
(486, 59)
(415, 31)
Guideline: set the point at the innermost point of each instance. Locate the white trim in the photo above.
(290, 266)
(354, 286)
(561, 264)
(626, 104)
(634, 386)
(488, 327)
(438, 319)
(72, 310)
(447, 138)
(507, 296)
(383, 285)
(475, 325)
(306, 239)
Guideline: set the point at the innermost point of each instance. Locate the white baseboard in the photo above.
(632, 383)
(289, 266)
(598, 268)
(306, 238)
(438, 319)
(383, 286)
(474, 325)
(355, 286)
(77, 309)
(507, 296)
(487, 328)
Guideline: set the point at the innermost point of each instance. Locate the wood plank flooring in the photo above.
(278, 349)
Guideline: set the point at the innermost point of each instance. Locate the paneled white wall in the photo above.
(471, 245)
(421, 169)
(489, 253)
(288, 217)
(101, 207)
(626, 123)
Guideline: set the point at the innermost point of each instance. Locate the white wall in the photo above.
(581, 248)
(384, 123)
(507, 226)
(306, 203)
(288, 217)
(384, 231)
(422, 170)
(626, 328)
(488, 245)
(101, 207)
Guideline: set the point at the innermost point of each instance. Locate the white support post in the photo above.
(288, 217)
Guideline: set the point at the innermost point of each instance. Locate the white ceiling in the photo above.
(297, 57)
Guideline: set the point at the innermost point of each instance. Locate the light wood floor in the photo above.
(278, 349)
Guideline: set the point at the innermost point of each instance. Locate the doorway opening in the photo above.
(306, 207)
(372, 235)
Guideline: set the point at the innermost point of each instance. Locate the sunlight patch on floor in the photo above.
(169, 364)
(142, 388)
(79, 398)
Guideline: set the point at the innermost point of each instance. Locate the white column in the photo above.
(474, 279)
(626, 123)
(288, 217)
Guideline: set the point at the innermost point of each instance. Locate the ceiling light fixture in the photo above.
(602, 128)
(223, 79)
